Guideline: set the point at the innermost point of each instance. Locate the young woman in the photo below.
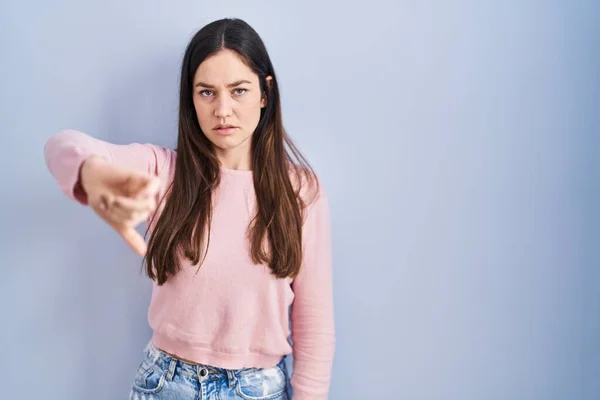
(239, 231)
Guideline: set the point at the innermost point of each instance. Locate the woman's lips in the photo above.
(225, 131)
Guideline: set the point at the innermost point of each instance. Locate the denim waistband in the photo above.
(192, 370)
(166, 361)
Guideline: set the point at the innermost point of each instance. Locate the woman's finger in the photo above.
(131, 205)
(125, 218)
(133, 239)
(150, 189)
(123, 209)
(131, 236)
(136, 218)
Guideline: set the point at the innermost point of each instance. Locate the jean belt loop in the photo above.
(231, 378)
(171, 370)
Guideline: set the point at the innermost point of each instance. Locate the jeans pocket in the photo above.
(262, 383)
(150, 378)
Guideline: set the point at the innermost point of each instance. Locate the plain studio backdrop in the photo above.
(457, 140)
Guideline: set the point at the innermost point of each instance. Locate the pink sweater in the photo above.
(232, 313)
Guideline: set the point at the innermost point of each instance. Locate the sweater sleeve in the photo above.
(313, 330)
(66, 150)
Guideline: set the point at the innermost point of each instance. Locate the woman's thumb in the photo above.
(134, 240)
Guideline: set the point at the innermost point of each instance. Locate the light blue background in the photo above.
(457, 141)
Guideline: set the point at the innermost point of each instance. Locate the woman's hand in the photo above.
(120, 196)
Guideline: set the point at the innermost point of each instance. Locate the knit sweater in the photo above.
(230, 312)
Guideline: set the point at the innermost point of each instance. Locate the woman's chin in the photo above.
(227, 142)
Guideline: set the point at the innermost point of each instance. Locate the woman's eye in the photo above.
(209, 93)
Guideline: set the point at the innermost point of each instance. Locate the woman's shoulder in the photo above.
(307, 184)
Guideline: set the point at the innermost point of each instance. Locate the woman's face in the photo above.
(228, 101)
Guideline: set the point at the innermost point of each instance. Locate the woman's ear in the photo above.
(263, 100)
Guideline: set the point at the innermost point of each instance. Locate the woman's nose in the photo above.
(223, 107)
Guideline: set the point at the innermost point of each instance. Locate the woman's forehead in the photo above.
(223, 69)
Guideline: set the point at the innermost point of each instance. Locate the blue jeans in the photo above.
(163, 377)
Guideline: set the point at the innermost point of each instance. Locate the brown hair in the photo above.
(279, 172)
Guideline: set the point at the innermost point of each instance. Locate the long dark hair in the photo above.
(279, 169)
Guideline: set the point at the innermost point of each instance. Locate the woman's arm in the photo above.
(66, 151)
(313, 330)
